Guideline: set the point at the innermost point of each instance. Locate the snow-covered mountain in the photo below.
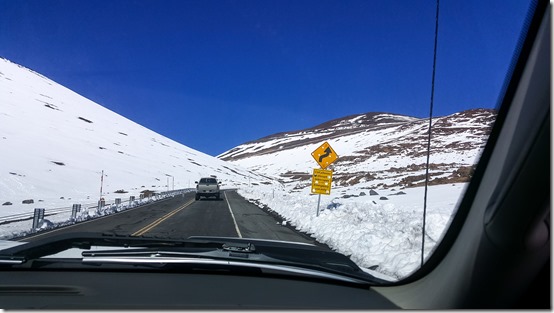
(374, 213)
(55, 144)
(385, 150)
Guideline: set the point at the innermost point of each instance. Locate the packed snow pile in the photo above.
(379, 230)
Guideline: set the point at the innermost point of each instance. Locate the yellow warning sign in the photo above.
(325, 155)
(321, 181)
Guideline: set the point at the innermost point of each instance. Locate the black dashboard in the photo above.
(94, 290)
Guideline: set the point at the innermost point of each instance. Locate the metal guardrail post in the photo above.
(38, 217)
(75, 209)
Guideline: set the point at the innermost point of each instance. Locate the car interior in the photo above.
(494, 255)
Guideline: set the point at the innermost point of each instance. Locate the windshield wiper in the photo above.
(225, 251)
(228, 257)
(84, 240)
(6, 259)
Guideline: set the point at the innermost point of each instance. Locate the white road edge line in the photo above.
(232, 215)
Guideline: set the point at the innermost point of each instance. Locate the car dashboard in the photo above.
(117, 289)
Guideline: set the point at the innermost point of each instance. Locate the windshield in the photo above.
(351, 126)
(208, 181)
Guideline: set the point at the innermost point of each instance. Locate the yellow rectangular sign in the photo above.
(321, 181)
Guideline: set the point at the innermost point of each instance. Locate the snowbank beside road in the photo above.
(384, 235)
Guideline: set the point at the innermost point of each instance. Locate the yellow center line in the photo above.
(157, 222)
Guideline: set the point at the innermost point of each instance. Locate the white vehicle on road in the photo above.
(207, 187)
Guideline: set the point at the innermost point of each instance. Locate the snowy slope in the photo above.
(385, 149)
(55, 145)
(374, 213)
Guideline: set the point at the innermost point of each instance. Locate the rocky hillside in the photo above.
(385, 150)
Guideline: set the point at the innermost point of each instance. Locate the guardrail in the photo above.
(82, 212)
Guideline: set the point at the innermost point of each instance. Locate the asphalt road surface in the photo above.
(182, 216)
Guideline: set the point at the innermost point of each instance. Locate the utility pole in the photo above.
(101, 184)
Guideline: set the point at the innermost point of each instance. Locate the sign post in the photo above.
(324, 155)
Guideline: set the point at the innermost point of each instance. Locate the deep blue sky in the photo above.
(214, 74)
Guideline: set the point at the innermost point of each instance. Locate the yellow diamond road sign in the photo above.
(325, 155)
(321, 181)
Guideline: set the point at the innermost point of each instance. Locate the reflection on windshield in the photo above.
(318, 120)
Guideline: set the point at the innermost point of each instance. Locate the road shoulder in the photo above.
(261, 223)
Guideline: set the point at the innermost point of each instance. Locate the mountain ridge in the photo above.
(59, 147)
(385, 149)
(463, 133)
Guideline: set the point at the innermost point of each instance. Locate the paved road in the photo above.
(182, 216)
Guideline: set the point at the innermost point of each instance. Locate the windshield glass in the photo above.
(208, 181)
(353, 126)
